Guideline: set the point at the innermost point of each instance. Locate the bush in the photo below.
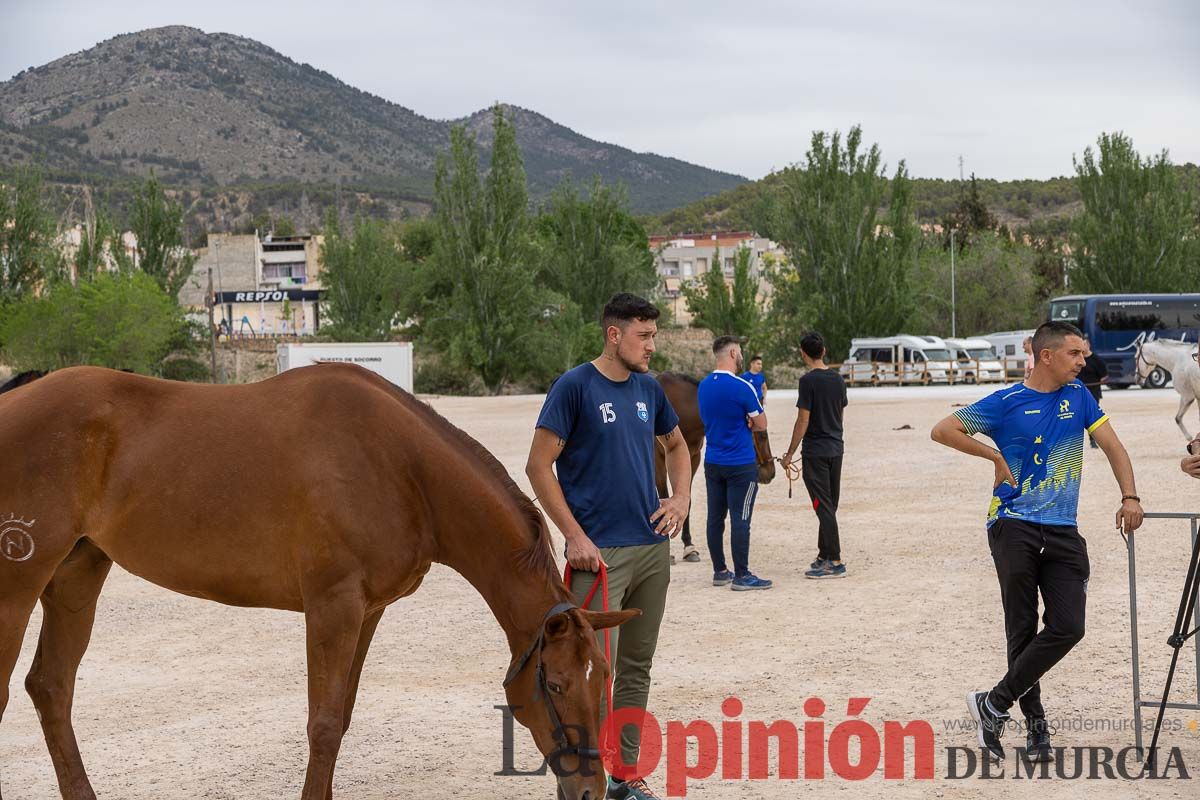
(185, 369)
(438, 376)
(117, 321)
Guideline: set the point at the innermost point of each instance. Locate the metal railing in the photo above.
(915, 373)
(1138, 702)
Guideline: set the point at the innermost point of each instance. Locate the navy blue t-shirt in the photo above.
(606, 469)
(758, 380)
(726, 400)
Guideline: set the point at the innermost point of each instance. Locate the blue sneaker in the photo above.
(827, 569)
(722, 578)
(747, 582)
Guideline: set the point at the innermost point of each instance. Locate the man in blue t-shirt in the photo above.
(730, 409)
(757, 379)
(598, 429)
(1038, 428)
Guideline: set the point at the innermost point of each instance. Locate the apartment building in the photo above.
(687, 257)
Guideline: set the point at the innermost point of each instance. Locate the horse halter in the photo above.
(1138, 358)
(565, 748)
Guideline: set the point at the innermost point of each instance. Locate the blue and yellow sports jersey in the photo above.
(1040, 436)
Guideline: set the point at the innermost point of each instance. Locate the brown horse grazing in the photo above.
(682, 392)
(103, 466)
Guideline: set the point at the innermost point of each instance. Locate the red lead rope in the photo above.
(587, 600)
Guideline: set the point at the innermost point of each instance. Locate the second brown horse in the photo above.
(683, 393)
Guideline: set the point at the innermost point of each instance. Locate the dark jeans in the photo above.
(1031, 557)
(823, 479)
(731, 491)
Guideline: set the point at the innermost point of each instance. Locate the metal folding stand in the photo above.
(1188, 609)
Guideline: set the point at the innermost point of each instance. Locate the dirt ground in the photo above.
(180, 698)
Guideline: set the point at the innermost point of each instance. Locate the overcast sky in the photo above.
(1015, 88)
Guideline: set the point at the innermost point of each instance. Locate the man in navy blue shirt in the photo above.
(598, 428)
(730, 409)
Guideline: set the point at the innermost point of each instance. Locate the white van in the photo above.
(975, 360)
(1008, 347)
(898, 359)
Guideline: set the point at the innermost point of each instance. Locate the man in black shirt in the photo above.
(1092, 376)
(821, 404)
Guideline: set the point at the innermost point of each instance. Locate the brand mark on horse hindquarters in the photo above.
(16, 543)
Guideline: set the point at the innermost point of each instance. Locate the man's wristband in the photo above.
(1133, 497)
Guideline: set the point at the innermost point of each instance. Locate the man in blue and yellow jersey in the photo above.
(1039, 428)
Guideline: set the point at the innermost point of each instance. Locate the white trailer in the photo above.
(1009, 349)
(390, 360)
(976, 361)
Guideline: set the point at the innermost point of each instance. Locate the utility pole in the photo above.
(960, 168)
(212, 326)
(953, 294)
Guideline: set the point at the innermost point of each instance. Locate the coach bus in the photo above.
(1115, 323)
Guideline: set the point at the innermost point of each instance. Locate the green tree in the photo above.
(98, 244)
(284, 227)
(29, 252)
(122, 321)
(850, 263)
(563, 339)
(995, 266)
(591, 247)
(723, 308)
(363, 272)
(157, 222)
(970, 217)
(1138, 229)
(489, 307)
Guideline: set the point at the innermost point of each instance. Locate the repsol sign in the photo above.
(268, 295)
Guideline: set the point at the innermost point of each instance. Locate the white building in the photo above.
(263, 286)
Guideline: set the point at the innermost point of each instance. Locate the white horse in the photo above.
(1177, 358)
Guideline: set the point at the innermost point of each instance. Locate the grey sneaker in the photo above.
(1037, 741)
(827, 569)
(629, 790)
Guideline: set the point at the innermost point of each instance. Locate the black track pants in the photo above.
(823, 479)
(1031, 557)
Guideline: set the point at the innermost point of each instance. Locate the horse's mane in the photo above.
(537, 556)
(22, 378)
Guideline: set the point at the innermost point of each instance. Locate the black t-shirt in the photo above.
(1093, 374)
(823, 393)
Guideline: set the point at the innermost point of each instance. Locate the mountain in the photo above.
(215, 109)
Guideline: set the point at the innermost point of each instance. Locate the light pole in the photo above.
(212, 326)
(953, 293)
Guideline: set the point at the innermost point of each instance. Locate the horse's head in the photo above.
(1142, 364)
(762, 453)
(557, 693)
